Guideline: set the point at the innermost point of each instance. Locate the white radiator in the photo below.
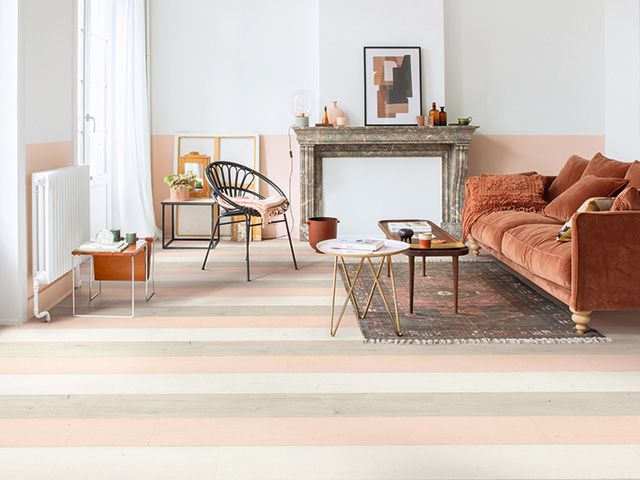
(60, 222)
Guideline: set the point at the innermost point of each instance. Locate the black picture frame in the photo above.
(415, 104)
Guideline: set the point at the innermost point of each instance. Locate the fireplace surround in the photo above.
(450, 143)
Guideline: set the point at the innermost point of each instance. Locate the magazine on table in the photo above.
(358, 244)
(417, 227)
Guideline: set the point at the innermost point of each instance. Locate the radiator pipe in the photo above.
(36, 312)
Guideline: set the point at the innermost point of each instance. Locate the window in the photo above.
(93, 67)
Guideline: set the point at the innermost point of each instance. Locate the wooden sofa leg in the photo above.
(475, 248)
(581, 319)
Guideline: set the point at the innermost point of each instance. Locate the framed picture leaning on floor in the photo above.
(392, 85)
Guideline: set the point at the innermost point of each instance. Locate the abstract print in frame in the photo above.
(392, 85)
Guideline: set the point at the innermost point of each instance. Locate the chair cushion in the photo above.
(534, 247)
(601, 166)
(267, 208)
(573, 169)
(566, 204)
(489, 229)
(633, 175)
(629, 199)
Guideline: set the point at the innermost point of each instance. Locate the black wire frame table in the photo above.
(166, 243)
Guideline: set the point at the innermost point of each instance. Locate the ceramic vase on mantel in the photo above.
(334, 111)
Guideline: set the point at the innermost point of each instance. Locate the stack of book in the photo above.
(417, 227)
(94, 246)
(364, 245)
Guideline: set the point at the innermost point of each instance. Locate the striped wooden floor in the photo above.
(217, 378)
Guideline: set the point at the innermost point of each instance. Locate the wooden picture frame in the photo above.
(197, 163)
(392, 85)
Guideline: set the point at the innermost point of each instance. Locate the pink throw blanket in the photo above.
(268, 208)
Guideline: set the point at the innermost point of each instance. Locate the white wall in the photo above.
(348, 26)
(48, 30)
(358, 190)
(622, 78)
(230, 66)
(528, 67)
(12, 221)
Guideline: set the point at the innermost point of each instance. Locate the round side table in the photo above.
(390, 248)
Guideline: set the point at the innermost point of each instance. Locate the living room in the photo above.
(320, 239)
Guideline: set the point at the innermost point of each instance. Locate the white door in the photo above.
(93, 95)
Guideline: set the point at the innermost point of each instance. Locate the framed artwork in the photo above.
(392, 85)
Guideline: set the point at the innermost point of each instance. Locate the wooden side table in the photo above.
(391, 247)
(132, 251)
(414, 251)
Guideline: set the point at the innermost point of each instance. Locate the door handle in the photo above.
(89, 118)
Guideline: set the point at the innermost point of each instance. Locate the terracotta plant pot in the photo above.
(322, 228)
(180, 194)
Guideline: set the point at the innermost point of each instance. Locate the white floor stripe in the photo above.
(515, 462)
(267, 280)
(245, 383)
(177, 334)
(209, 301)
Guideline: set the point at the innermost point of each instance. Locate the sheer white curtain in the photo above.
(131, 196)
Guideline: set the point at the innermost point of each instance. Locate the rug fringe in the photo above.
(457, 341)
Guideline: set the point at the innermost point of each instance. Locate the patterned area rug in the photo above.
(495, 307)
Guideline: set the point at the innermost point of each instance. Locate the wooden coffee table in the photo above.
(416, 251)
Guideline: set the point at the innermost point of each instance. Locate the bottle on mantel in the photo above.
(434, 116)
(325, 118)
(442, 117)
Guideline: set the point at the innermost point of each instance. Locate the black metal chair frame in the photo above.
(228, 180)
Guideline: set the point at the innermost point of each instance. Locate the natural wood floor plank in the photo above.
(321, 405)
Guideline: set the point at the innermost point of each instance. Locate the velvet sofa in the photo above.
(597, 270)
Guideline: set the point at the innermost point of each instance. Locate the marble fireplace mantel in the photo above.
(450, 143)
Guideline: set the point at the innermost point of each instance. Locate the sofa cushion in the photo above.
(566, 204)
(633, 175)
(629, 199)
(598, 204)
(534, 247)
(492, 193)
(601, 166)
(573, 169)
(489, 229)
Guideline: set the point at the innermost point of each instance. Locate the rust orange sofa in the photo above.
(599, 270)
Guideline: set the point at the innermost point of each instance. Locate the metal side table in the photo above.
(187, 203)
(390, 248)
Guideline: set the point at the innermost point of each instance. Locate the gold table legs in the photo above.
(351, 283)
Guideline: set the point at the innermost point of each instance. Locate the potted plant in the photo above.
(180, 185)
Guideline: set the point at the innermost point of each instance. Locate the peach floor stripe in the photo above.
(235, 431)
(321, 364)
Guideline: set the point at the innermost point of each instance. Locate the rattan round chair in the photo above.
(228, 180)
